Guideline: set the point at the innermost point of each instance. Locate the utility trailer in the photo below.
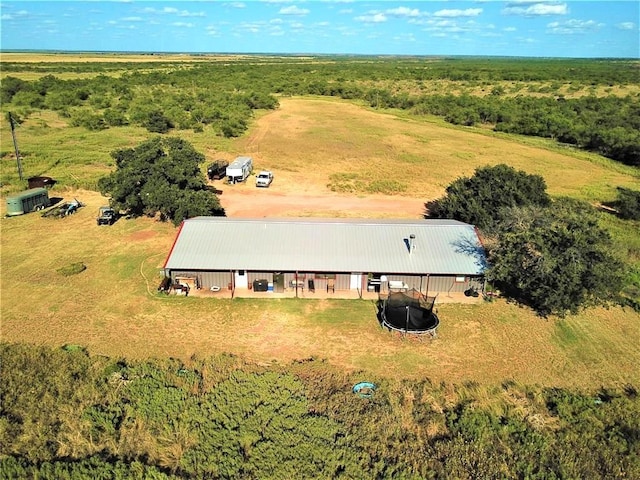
(27, 201)
(239, 170)
(64, 209)
(217, 169)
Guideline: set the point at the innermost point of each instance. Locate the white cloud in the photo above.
(182, 24)
(573, 26)
(276, 32)
(15, 15)
(451, 26)
(293, 10)
(534, 9)
(172, 11)
(372, 18)
(252, 27)
(403, 12)
(132, 19)
(509, 29)
(626, 26)
(469, 12)
(186, 13)
(405, 37)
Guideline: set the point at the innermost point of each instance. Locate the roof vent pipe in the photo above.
(412, 243)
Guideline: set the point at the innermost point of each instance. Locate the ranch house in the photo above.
(341, 258)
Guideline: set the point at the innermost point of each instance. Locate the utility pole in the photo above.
(15, 144)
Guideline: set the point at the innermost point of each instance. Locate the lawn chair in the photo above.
(331, 285)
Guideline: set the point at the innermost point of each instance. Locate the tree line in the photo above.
(223, 96)
(66, 414)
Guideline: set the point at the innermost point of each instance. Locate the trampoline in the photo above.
(408, 312)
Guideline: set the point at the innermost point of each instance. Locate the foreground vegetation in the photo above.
(66, 414)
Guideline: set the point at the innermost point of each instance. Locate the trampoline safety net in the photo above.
(409, 312)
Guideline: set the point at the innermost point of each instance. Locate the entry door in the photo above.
(278, 282)
(242, 279)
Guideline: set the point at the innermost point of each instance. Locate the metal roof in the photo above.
(239, 162)
(327, 245)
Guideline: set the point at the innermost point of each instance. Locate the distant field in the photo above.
(39, 64)
(91, 57)
(322, 146)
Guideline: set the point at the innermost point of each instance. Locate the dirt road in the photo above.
(245, 200)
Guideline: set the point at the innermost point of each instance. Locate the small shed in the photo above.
(41, 182)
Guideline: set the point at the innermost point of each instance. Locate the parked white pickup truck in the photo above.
(264, 179)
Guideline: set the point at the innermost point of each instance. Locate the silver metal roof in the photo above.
(327, 245)
(239, 162)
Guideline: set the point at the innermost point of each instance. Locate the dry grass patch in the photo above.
(113, 309)
(330, 143)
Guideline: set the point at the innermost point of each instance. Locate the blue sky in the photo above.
(533, 28)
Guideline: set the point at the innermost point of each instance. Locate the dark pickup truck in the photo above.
(217, 170)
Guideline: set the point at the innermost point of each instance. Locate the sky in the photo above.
(529, 28)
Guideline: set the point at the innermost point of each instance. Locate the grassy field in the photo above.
(346, 148)
(113, 309)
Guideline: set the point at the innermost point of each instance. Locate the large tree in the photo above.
(555, 259)
(482, 198)
(160, 176)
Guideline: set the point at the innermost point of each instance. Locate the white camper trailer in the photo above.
(239, 169)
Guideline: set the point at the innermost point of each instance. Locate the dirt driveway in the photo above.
(282, 200)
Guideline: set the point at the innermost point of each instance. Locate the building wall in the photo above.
(427, 284)
(206, 280)
(451, 284)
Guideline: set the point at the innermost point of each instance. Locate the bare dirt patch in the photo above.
(249, 201)
(142, 236)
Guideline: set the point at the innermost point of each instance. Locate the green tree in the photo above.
(11, 86)
(482, 198)
(156, 122)
(84, 117)
(628, 203)
(160, 176)
(556, 259)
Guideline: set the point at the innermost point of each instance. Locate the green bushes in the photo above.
(628, 203)
(65, 414)
(553, 256)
